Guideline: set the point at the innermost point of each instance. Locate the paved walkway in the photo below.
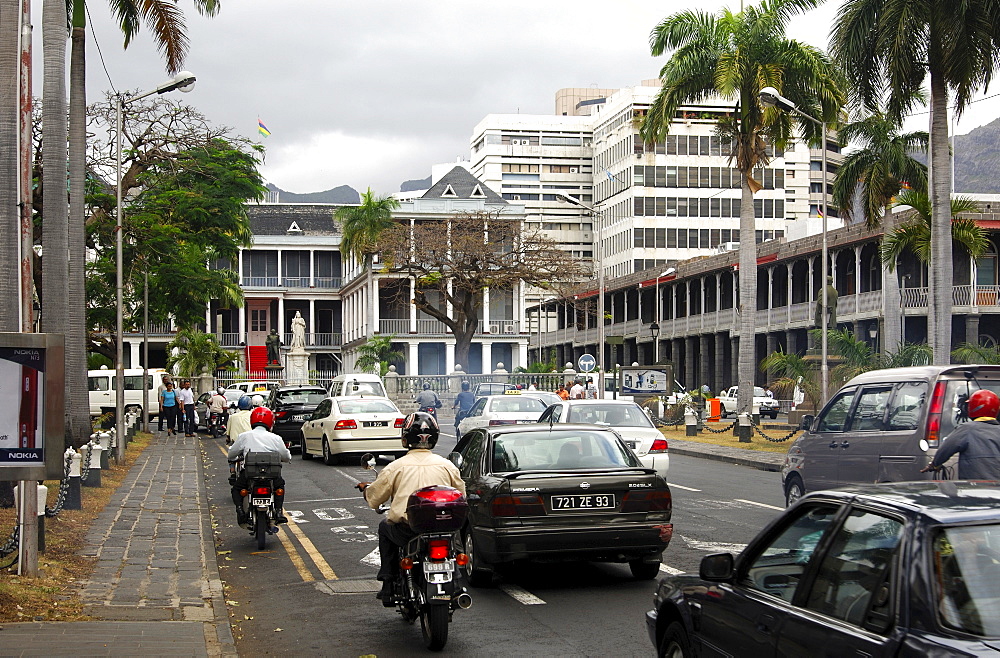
(156, 583)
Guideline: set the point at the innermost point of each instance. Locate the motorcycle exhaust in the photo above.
(464, 601)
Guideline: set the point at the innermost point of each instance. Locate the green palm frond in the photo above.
(914, 236)
(974, 353)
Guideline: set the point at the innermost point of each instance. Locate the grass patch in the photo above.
(55, 594)
(757, 443)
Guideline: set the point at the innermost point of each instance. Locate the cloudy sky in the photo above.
(373, 93)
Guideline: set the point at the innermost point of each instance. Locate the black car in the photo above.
(910, 569)
(565, 492)
(291, 406)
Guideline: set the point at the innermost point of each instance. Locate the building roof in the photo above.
(293, 219)
(460, 184)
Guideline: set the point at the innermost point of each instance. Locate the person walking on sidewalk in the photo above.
(169, 404)
(977, 442)
(164, 378)
(186, 396)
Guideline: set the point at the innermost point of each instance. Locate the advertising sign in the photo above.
(652, 380)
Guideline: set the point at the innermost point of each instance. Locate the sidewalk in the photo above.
(156, 584)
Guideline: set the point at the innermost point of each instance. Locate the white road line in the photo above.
(712, 547)
(319, 500)
(372, 559)
(521, 596)
(679, 486)
(670, 571)
(765, 505)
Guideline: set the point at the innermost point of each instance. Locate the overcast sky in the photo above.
(373, 93)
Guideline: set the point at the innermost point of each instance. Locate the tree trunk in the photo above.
(54, 220)
(77, 403)
(939, 187)
(891, 303)
(10, 221)
(747, 362)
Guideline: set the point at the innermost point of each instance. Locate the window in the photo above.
(98, 383)
(323, 410)
(836, 414)
(258, 319)
(472, 454)
(870, 410)
(968, 578)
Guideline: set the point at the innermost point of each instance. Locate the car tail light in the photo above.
(398, 423)
(934, 415)
(439, 495)
(529, 505)
(659, 445)
(657, 500)
(439, 548)
(497, 421)
(281, 414)
(348, 424)
(262, 491)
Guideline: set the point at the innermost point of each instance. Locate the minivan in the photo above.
(357, 384)
(101, 390)
(883, 426)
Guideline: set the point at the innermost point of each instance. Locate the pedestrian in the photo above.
(977, 442)
(576, 391)
(186, 408)
(533, 386)
(562, 392)
(164, 378)
(463, 403)
(768, 392)
(169, 405)
(589, 390)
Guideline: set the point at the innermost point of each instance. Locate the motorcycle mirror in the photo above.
(368, 461)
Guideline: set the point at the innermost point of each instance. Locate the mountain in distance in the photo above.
(977, 160)
(344, 194)
(415, 185)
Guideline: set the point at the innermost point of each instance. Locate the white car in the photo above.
(624, 417)
(352, 425)
(262, 386)
(507, 409)
(728, 402)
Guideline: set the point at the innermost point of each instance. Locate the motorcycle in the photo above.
(432, 410)
(216, 424)
(262, 468)
(431, 583)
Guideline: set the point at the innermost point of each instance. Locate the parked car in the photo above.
(506, 409)
(907, 569)
(352, 426)
(357, 384)
(624, 417)
(728, 402)
(262, 387)
(566, 492)
(882, 426)
(492, 388)
(101, 390)
(291, 406)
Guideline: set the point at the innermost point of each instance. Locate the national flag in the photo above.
(262, 129)
(905, 185)
(613, 177)
(819, 213)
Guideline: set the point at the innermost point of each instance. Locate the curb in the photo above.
(769, 462)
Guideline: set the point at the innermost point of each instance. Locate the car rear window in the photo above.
(366, 407)
(967, 570)
(516, 404)
(555, 451)
(301, 397)
(958, 391)
(615, 415)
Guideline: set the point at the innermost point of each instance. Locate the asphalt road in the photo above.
(311, 592)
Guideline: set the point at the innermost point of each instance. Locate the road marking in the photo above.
(293, 555)
(713, 547)
(324, 514)
(372, 559)
(320, 500)
(520, 595)
(764, 505)
(310, 549)
(670, 570)
(679, 486)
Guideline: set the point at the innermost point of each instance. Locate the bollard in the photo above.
(43, 496)
(104, 439)
(690, 422)
(755, 410)
(743, 428)
(74, 499)
(93, 451)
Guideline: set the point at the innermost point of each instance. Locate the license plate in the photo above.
(257, 502)
(592, 501)
(376, 423)
(298, 418)
(445, 566)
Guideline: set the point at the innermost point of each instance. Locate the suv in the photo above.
(728, 403)
(291, 406)
(882, 426)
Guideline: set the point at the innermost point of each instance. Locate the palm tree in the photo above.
(376, 355)
(197, 352)
(10, 220)
(890, 49)
(792, 371)
(857, 356)
(976, 353)
(734, 56)
(914, 236)
(362, 225)
(879, 168)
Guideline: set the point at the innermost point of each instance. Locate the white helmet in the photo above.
(257, 400)
(221, 390)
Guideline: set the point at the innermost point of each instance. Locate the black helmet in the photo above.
(427, 386)
(465, 386)
(420, 430)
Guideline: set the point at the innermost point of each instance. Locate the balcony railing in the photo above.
(428, 327)
(293, 282)
(317, 340)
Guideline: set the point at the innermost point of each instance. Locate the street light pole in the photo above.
(770, 97)
(183, 81)
(597, 215)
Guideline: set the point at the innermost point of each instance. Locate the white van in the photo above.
(101, 388)
(357, 384)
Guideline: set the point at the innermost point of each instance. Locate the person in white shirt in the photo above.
(239, 422)
(186, 397)
(218, 408)
(258, 439)
(576, 391)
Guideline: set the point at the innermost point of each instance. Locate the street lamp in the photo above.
(873, 334)
(769, 97)
(599, 260)
(183, 81)
(654, 330)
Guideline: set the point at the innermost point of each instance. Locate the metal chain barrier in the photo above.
(10, 545)
(767, 438)
(85, 463)
(727, 428)
(63, 491)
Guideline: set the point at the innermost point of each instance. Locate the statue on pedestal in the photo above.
(831, 306)
(273, 342)
(298, 332)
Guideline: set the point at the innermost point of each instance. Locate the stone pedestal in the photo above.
(275, 372)
(297, 373)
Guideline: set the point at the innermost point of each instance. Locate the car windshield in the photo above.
(967, 562)
(516, 404)
(301, 397)
(615, 415)
(758, 392)
(556, 451)
(366, 407)
(365, 388)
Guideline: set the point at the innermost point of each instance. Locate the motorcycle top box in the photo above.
(437, 509)
(263, 465)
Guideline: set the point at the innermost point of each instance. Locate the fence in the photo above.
(226, 378)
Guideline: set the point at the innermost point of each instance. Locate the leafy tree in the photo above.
(890, 49)
(454, 260)
(878, 169)
(915, 235)
(734, 55)
(197, 352)
(976, 353)
(376, 354)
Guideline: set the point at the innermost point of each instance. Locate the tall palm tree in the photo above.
(879, 168)
(890, 49)
(361, 227)
(10, 221)
(915, 236)
(734, 56)
(197, 351)
(375, 355)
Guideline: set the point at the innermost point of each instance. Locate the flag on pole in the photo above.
(262, 129)
(614, 178)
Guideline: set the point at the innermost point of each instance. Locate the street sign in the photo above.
(587, 363)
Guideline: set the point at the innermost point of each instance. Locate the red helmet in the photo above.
(262, 416)
(983, 404)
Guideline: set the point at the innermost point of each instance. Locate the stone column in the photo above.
(734, 361)
(703, 363)
(690, 364)
(791, 342)
(972, 328)
(720, 361)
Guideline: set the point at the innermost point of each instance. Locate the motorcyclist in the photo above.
(418, 468)
(977, 441)
(463, 402)
(427, 400)
(258, 439)
(239, 422)
(218, 410)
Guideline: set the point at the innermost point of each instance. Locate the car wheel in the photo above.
(480, 572)
(302, 450)
(642, 570)
(794, 489)
(329, 458)
(674, 642)
(774, 415)
(722, 411)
